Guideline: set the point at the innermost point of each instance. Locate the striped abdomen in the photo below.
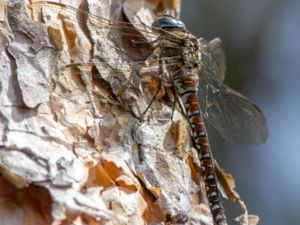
(187, 87)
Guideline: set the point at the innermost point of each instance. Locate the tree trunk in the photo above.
(72, 149)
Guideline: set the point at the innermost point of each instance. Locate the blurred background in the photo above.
(262, 44)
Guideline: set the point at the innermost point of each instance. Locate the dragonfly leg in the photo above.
(136, 114)
(182, 110)
(154, 97)
(177, 98)
(173, 108)
(159, 87)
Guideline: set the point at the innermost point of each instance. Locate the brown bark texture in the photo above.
(72, 150)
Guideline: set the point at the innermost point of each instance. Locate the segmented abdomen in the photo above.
(187, 87)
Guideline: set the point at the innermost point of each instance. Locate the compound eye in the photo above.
(181, 24)
(166, 22)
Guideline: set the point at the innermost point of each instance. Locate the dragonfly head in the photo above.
(167, 23)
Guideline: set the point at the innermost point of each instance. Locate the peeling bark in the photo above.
(72, 150)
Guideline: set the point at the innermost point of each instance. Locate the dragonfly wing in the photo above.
(86, 38)
(213, 57)
(72, 27)
(236, 117)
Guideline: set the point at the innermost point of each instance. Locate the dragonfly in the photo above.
(195, 68)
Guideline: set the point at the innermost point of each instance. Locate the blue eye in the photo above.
(166, 22)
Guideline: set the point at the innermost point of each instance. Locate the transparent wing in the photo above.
(109, 28)
(82, 16)
(80, 34)
(107, 69)
(232, 114)
(213, 57)
(84, 38)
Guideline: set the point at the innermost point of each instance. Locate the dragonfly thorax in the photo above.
(190, 52)
(180, 50)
